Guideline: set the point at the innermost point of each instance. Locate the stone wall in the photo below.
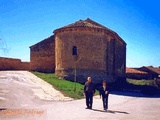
(120, 60)
(42, 55)
(25, 66)
(13, 64)
(90, 50)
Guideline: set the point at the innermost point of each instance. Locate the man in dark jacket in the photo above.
(89, 90)
(104, 92)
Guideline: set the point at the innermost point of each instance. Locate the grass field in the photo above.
(66, 87)
(140, 82)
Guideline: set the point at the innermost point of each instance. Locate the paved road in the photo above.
(22, 97)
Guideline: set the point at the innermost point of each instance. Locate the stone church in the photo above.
(85, 47)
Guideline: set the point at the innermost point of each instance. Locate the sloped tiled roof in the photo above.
(131, 70)
(45, 41)
(88, 23)
(154, 69)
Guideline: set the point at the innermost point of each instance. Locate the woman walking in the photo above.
(104, 92)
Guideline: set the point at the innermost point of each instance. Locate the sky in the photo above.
(26, 22)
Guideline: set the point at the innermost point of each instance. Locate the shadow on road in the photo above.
(134, 94)
(110, 111)
(1, 109)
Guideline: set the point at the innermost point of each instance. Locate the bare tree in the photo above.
(3, 46)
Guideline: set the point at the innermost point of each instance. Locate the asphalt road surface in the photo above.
(23, 96)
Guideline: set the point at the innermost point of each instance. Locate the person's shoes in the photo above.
(87, 107)
(90, 107)
(105, 109)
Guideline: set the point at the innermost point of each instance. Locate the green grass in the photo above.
(64, 86)
(140, 82)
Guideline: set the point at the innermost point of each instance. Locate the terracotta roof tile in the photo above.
(45, 41)
(154, 69)
(131, 70)
(87, 23)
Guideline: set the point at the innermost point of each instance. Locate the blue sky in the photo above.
(26, 22)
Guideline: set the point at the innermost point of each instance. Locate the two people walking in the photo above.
(89, 91)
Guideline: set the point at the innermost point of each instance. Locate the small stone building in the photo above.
(132, 73)
(42, 55)
(85, 46)
(153, 72)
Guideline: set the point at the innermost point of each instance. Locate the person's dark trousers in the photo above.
(105, 101)
(89, 99)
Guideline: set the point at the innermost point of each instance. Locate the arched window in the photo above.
(74, 50)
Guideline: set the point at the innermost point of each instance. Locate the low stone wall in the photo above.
(24, 66)
(13, 64)
(137, 76)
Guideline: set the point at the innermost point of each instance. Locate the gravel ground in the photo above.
(23, 96)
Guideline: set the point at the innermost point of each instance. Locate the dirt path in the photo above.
(23, 96)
